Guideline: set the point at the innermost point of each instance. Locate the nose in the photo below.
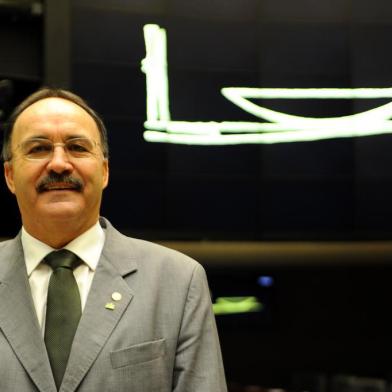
(59, 161)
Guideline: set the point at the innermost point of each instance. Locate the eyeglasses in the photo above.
(36, 149)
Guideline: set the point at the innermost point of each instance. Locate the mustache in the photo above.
(54, 178)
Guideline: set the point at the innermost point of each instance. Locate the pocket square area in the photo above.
(139, 353)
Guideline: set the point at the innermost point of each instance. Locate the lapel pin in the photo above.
(110, 306)
(116, 296)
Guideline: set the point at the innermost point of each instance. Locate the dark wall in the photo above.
(21, 72)
(328, 320)
(332, 189)
(325, 320)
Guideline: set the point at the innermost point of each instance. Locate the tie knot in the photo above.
(62, 258)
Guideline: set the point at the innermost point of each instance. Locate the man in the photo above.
(143, 320)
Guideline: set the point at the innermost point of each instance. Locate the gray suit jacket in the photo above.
(161, 336)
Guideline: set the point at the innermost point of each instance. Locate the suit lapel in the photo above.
(99, 318)
(18, 320)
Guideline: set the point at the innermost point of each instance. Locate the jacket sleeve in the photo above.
(198, 364)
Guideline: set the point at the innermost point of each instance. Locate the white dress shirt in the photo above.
(87, 247)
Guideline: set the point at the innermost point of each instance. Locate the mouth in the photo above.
(59, 187)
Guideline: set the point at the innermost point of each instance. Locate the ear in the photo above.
(105, 173)
(9, 176)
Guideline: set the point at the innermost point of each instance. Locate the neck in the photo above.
(57, 234)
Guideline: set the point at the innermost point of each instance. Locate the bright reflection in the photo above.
(280, 127)
(234, 305)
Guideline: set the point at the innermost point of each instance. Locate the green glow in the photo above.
(282, 127)
(234, 305)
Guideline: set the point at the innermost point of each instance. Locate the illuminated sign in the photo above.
(277, 126)
(235, 305)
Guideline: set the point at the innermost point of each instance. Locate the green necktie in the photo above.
(63, 310)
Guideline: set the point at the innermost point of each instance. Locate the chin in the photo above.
(62, 210)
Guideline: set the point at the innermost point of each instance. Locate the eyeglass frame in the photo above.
(58, 144)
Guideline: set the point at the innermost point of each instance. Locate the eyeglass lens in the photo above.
(44, 148)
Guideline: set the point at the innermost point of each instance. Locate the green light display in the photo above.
(235, 305)
(280, 127)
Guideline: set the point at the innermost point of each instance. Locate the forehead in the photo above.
(52, 117)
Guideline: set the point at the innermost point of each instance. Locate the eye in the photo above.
(79, 146)
(37, 148)
(76, 147)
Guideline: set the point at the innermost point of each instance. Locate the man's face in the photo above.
(57, 120)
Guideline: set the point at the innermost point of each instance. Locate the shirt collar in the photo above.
(88, 247)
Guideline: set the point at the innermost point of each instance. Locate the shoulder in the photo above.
(149, 255)
(161, 254)
(12, 252)
(170, 272)
(165, 261)
(5, 243)
(11, 245)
